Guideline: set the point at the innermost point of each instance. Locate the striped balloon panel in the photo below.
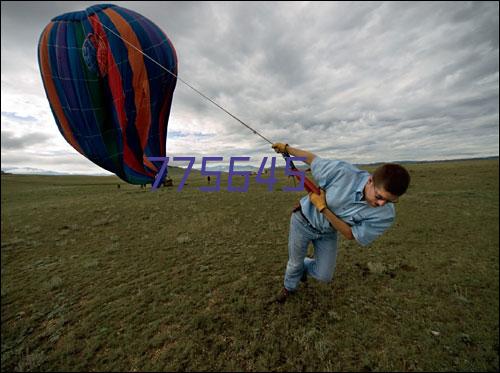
(109, 75)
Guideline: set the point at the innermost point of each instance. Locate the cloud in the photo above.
(365, 82)
(11, 141)
(18, 118)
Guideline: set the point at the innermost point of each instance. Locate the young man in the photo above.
(358, 205)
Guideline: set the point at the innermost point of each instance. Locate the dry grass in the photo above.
(100, 278)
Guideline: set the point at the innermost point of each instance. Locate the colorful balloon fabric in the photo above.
(110, 102)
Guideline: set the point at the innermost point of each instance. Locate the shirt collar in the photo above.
(361, 185)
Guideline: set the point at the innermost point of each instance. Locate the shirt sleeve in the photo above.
(368, 230)
(325, 171)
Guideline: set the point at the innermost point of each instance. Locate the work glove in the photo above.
(279, 147)
(318, 200)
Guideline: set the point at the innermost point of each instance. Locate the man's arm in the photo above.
(281, 148)
(320, 202)
(338, 224)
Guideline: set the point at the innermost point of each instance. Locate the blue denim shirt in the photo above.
(344, 184)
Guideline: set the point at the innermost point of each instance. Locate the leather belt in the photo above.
(298, 208)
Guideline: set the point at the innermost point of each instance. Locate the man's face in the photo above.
(378, 196)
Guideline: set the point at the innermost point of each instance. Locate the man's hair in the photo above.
(393, 178)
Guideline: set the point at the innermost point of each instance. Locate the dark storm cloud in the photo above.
(11, 141)
(363, 81)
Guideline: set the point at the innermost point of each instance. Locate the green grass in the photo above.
(100, 278)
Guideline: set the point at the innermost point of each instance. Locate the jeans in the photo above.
(322, 266)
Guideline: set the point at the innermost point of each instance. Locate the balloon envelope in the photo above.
(110, 102)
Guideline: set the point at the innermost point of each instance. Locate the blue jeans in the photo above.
(325, 252)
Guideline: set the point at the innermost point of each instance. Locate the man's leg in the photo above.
(298, 238)
(322, 266)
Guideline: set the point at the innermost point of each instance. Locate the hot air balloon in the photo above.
(109, 74)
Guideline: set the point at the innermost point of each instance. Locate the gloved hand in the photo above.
(279, 147)
(318, 200)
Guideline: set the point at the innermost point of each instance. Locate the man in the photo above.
(358, 205)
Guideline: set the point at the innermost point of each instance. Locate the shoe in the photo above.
(283, 296)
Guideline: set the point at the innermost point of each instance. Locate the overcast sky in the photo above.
(363, 81)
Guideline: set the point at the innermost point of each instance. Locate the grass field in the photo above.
(100, 278)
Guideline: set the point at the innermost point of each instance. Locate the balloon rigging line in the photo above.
(186, 83)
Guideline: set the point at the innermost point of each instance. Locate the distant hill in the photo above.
(222, 168)
(31, 171)
(431, 161)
